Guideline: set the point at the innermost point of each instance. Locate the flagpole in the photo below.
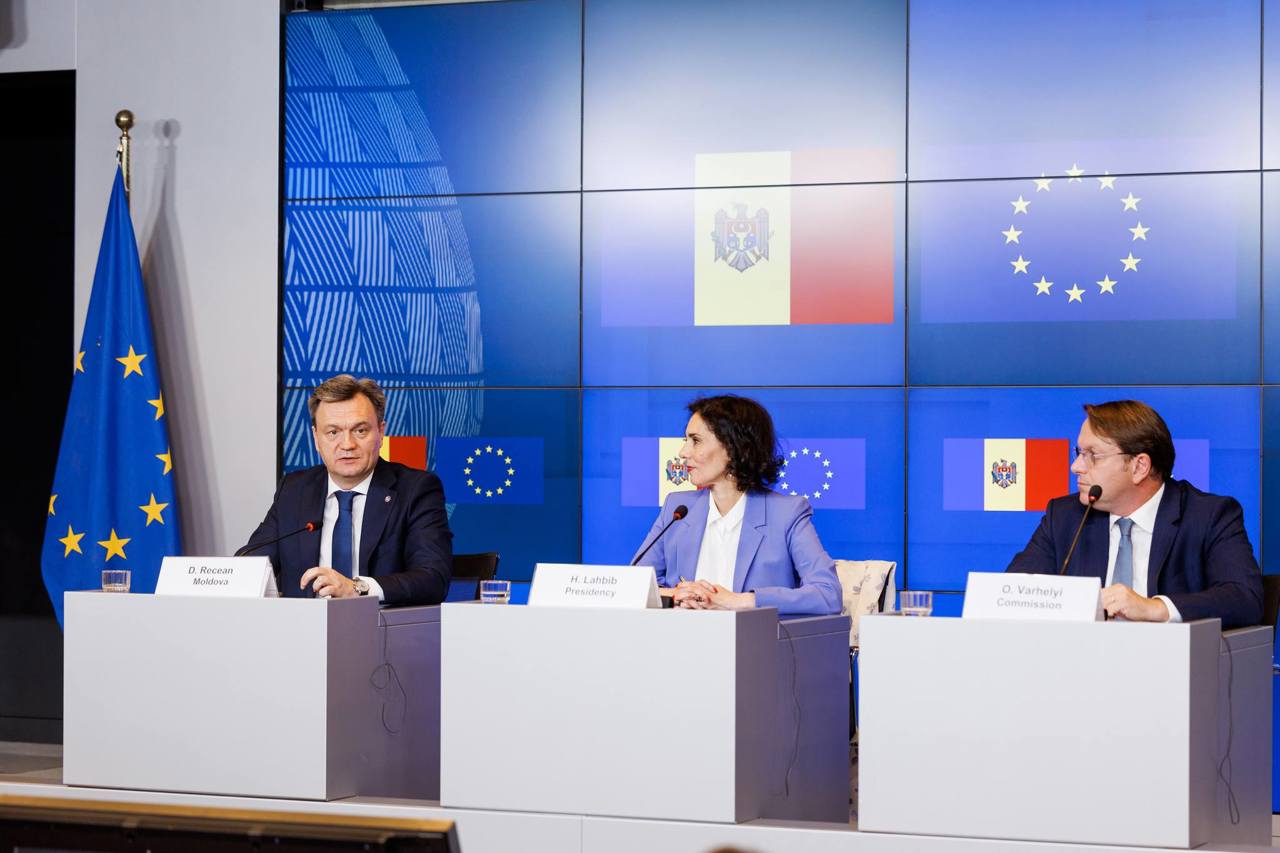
(124, 121)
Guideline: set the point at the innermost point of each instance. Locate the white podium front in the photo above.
(641, 713)
(1097, 733)
(247, 696)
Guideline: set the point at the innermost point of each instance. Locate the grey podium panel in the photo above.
(1099, 733)
(645, 713)
(255, 697)
(407, 681)
(809, 770)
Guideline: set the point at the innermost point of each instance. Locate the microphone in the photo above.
(306, 528)
(680, 512)
(1095, 492)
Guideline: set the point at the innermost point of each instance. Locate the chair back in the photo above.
(866, 587)
(482, 567)
(1270, 599)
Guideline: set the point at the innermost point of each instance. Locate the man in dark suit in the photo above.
(1165, 550)
(385, 532)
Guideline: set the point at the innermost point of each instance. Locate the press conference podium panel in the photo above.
(643, 713)
(1096, 733)
(241, 696)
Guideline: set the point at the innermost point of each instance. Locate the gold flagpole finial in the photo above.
(124, 121)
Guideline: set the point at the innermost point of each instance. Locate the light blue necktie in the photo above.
(1124, 554)
(342, 533)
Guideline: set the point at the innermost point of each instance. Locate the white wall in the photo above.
(37, 35)
(202, 80)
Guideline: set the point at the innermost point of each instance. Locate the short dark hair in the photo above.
(343, 387)
(745, 429)
(1136, 428)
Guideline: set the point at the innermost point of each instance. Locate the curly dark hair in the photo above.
(745, 429)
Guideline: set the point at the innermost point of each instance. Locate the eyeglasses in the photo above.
(1090, 458)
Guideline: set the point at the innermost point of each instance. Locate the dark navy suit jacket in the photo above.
(1200, 554)
(405, 542)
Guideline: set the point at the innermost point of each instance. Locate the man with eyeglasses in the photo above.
(1165, 551)
(357, 525)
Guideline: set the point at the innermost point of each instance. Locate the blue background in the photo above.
(554, 144)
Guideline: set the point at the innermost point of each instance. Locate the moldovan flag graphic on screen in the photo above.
(783, 255)
(410, 450)
(651, 470)
(1004, 474)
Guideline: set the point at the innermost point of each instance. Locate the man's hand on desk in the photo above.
(701, 595)
(1122, 602)
(328, 583)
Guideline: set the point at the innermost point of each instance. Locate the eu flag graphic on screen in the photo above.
(491, 469)
(1069, 247)
(113, 502)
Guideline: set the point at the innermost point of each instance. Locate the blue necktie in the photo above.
(1124, 554)
(342, 530)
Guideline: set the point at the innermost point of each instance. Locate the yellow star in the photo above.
(115, 546)
(1020, 265)
(1042, 286)
(159, 404)
(132, 362)
(1139, 232)
(1011, 236)
(499, 489)
(1073, 293)
(1020, 206)
(499, 451)
(71, 541)
(79, 368)
(488, 448)
(488, 493)
(167, 459)
(52, 498)
(1042, 183)
(1107, 181)
(1075, 172)
(1106, 285)
(1130, 203)
(477, 490)
(153, 510)
(1130, 263)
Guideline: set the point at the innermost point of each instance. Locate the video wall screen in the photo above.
(1000, 88)
(909, 230)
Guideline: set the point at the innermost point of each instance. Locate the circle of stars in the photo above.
(788, 488)
(479, 455)
(1075, 293)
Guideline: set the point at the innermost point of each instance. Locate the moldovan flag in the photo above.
(652, 469)
(787, 255)
(410, 450)
(1004, 474)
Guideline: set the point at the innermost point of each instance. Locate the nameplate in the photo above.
(572, 585)
(228, 577)
(1053, 598)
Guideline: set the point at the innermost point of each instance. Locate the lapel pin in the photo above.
(387, 499)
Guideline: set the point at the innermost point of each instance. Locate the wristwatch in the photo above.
(361, 585)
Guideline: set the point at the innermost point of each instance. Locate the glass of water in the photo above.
(917, 602)
(115, 580)
(495, 592)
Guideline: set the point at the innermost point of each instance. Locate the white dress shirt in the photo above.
(357, 520)
(1144, 526)
(718, 555)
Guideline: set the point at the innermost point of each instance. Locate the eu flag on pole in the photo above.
(112, 504)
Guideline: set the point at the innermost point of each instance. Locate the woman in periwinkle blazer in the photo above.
(740, 545)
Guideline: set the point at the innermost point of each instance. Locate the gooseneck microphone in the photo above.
(1095, 492)
(680, 512)
(306, 528)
